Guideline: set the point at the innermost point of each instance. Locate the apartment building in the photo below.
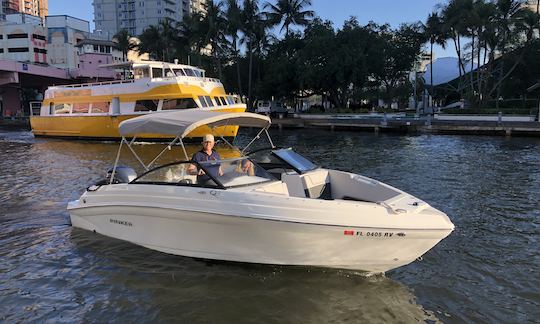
(135, 16)
(39, 8)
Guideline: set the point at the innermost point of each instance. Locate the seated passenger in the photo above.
(206, 154)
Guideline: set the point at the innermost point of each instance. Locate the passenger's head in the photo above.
(208, 141)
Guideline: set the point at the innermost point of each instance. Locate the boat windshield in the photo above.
(227, 173)
(295, 160)
(236, 172)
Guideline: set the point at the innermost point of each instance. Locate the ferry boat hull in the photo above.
(106, 127)
(94, 110)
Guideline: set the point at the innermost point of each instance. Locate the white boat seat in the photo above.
(317, 184)
(314, 184)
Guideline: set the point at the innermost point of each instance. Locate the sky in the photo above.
(394, 12)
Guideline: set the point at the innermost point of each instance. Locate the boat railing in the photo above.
(84, 85)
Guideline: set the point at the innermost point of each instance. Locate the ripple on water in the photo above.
(485, 271)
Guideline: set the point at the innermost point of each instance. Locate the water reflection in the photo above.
(172, 287)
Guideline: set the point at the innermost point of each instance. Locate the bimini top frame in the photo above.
(181, 123)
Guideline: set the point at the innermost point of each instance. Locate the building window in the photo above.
(40, 37)
(40, 50)
(1, 36)
(96, 48)
(18, 50)
(11, 36)
(1, 50)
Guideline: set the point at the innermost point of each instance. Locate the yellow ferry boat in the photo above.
(94, 110)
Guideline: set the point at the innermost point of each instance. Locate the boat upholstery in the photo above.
(314, 184)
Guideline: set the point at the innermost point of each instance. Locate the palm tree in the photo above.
(124, 43)
(151, 42)
(234, 25)
(453, 15)
(194, 32)
(169, 35)
(252, 22)
(159, 41)
(214, 25)
(436, 33)
(289, 12)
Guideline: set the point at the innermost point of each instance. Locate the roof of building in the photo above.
(89, 41)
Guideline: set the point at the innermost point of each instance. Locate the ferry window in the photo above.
(189, 72)
(217, 101)
(197, 73)
(51, 108)
(62, 108)
(100, 107)
(141, 73)
(180, 103)
(203, 101)
(146, 105)
(179, 72)
(209, 101)
(223, 101)
(157, 73)
(230, 100)
(80, 108)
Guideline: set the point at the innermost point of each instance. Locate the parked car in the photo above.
(273, 108)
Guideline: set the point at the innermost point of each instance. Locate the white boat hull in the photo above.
(161, 222)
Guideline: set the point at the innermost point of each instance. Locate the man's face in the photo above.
(208, 145)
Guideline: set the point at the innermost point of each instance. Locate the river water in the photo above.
(487, 270)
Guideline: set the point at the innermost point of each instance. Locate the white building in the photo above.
(64, 33)
(111, 16)
(23, 39)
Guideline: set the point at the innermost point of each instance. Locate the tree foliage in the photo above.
(358, 63)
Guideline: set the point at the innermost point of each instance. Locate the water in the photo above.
(485, 271)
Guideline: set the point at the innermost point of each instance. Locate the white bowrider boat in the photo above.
(282, 209)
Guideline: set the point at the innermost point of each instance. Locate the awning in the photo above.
(183, 122)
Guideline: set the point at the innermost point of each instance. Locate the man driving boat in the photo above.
(206, 154)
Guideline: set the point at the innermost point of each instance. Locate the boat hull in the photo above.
(105, 127)
(265, 240)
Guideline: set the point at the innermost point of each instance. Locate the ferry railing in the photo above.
(84, 85)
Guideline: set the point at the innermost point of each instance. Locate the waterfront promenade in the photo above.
(492, 125)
